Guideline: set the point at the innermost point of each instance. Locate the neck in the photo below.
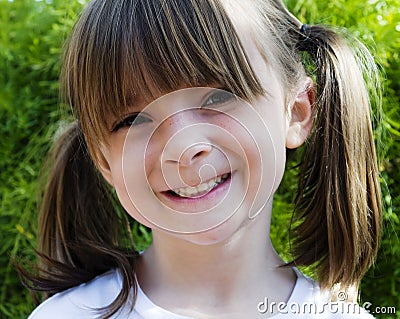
(227, 277)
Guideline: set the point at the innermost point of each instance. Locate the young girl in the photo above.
(186, 109)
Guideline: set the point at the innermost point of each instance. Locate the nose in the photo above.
(194, 153)
(186, 140)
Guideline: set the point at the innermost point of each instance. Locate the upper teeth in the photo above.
(200, 189)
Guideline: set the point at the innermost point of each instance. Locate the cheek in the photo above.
(262, 135)
(274, 152)
(267, 162)
(127, 170)
(260, 145)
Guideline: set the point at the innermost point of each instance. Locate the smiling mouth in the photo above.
(201, 189)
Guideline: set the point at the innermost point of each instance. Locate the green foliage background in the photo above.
(31, 38)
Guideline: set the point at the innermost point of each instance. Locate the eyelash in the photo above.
(222, 95)
(131, 119)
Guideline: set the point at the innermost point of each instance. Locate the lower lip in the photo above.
(215, 194)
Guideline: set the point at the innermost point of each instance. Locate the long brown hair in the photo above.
(339, 199)
(120, 49)
(338, 204)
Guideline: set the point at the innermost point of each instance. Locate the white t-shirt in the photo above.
(306, 301)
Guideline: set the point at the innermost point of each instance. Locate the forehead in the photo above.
(229, 50)
(250, 28)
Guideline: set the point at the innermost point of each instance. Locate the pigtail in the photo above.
(338, 202)
(77, 224)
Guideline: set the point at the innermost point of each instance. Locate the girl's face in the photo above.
(200, 162)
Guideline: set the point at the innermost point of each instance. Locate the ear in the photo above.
(301, 116)
(103, 165)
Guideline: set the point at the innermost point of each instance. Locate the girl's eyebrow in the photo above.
(135, 103)
(132, 101)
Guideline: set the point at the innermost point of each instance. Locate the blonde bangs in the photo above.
(123, 50)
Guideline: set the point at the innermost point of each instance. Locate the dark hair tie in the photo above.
(303, 42)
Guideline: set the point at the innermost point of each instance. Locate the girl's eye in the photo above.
(132, 119)
(218, 97)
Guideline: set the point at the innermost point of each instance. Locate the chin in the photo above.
(216, 236)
